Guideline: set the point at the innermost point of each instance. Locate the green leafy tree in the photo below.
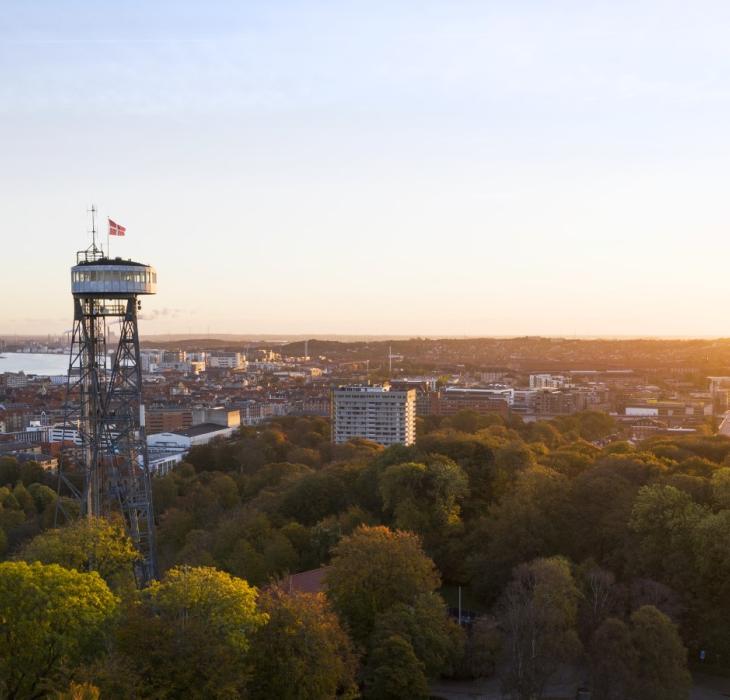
(662, 659)
(664, 520)
(468, 421)
(721, 487)
(538, 614)
(474, 453)
(711, 537)
(32, 472)
(424, 497)
(87, 544)
(712, 604)
(164, 492)
(304, 455)
(302, 652)
(24, 499)
(9, 471)
(226, 490)
(589, 425)
(524, 525)
(394, 672)
(314, 497)
(43, 496)
(567, 461)
(514, 457)
(273, 476)
(613, 661)
(599, 506)
(436, 640)
(187, 637)
(639, 468)
(483, 647)
(373, 569)
(51, 620)
(225, 603)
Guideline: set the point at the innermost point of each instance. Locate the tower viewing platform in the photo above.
(112, 277)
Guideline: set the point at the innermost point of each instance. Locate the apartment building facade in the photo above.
(378, 413)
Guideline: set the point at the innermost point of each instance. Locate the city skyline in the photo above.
(404, 169)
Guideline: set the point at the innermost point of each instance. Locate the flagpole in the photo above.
(108, 250)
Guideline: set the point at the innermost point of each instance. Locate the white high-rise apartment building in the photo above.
(548, 381)
(377, 413)
(227, 360)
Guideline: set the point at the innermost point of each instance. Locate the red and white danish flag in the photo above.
(116, 229)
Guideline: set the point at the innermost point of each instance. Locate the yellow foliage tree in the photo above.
(52, 619)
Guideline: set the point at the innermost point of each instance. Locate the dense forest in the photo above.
(611, 560)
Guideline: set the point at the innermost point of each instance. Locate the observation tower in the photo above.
(104, 413)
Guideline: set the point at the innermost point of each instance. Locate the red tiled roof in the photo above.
(311, 581)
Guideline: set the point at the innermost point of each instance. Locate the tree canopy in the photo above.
(302, 652)
(51, 620)
(373, 569)
(551, 533)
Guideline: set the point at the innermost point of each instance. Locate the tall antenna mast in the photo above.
(93, 226)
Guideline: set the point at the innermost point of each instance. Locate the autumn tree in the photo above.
(79, 691)
(302, 652)
(373, 569)
(51, 620)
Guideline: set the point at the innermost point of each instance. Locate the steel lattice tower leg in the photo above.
(129, 476)
(104, 403)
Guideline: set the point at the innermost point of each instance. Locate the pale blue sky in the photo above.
(373, 167)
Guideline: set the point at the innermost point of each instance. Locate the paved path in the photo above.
(704, 688)
(710, 688)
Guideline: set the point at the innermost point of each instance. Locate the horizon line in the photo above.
(355, 337)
